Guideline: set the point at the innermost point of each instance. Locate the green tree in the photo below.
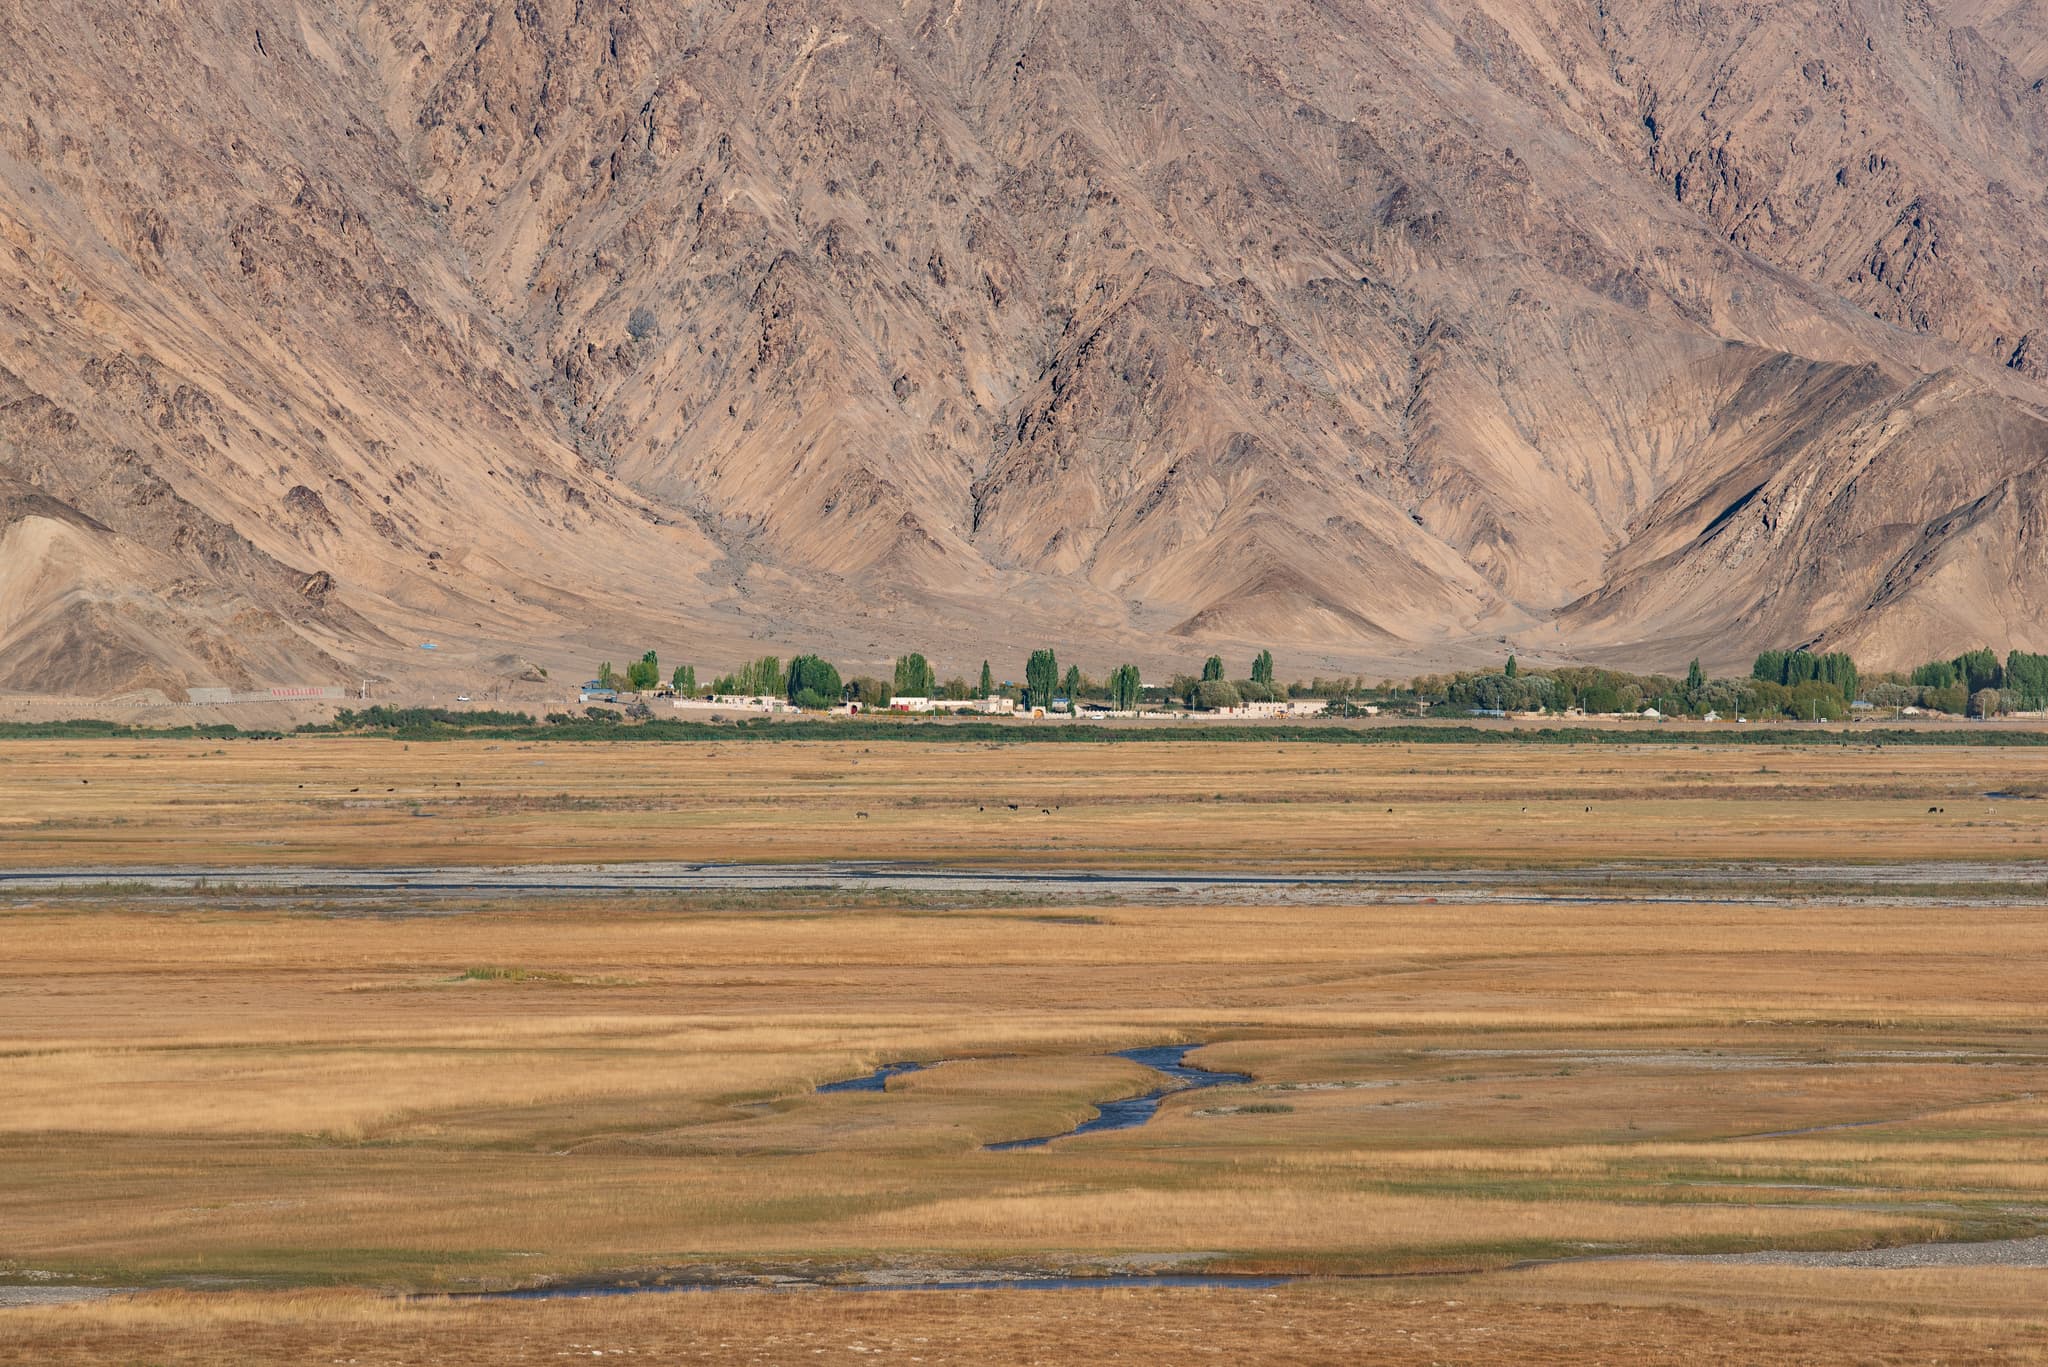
(1041, 678)
(684, 680)
(606, 677)
(765, 676)
(1262, 668)
(1125, 688)
(1934, 674)
(1214, 694)
(1212, 669)
(1817, 700)
(1695, 678)
(1512, 668)
(915, 678)
(870, 693)
(988, 681)
(761, 679)
(1071, 685)
(1985, 702)
(1794, 667)
(1978, 670)
(2027, 675)
(1600, 697)
(1838, 669)
(813, 683)
(644, 673)
(1954, 699)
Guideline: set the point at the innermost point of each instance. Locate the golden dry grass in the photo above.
(336, 800)
(224, 1088)
(1733, 1316)
(251, 1092)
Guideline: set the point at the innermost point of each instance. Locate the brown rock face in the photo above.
(1370, 331)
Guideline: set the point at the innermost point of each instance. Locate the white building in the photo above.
(1292, 707)
(734, 702)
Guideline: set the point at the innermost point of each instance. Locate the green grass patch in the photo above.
(493, 973)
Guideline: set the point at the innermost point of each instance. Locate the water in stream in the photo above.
(1127, 1114)
(1131, 1112)
(1020, 1282)
(877, 1081)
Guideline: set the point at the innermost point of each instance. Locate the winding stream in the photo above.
(1131, 1112)
(1126, 1114)
(877, 1081)
(986, 1282)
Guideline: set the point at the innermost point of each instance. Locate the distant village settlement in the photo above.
(1795, 685)
(990, 706)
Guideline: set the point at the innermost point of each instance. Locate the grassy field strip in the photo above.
(1635, 1313)
(375, 802)
(610, 1085)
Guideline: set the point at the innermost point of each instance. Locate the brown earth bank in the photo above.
(1616, 331)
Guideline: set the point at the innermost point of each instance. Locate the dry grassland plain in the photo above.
(256, 1095)
(1243, 804)
(1731, 1317)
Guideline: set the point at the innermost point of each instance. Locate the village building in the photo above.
(734, 702)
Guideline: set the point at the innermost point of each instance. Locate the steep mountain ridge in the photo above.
(1374, 332)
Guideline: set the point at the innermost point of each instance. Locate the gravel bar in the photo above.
(2031, 1252)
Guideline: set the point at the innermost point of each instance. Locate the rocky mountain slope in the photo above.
(1378, 333)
